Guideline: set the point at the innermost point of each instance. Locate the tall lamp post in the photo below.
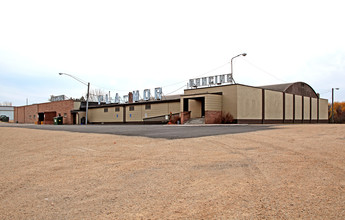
(87, 94)
(242, 54)
(332, 119)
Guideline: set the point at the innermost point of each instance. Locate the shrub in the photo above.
(227, 118)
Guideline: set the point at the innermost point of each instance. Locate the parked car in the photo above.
(4, 118)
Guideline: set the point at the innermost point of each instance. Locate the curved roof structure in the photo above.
(297, 88)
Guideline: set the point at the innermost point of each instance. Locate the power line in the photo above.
(175, 90)
(325, 92)
(263, 70)
(177, 83)
(212, 70)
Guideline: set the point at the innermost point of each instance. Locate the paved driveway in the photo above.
(152, 131)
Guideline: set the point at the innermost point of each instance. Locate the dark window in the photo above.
(117, 109)
(106, 110)
(148, 106)
(131, 108)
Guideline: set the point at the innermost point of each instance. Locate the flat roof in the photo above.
(165, 99)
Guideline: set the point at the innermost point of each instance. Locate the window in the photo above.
(34, 116)
(117, 109)
(105, 109)
(131, 108)
(148, 106)
(65, 115)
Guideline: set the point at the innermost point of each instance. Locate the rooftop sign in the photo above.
(210, 81)
(136, 96)
(57, 98)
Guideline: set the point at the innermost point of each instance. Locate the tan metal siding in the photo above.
(273, 105)
(314, 109)
(306, 108)
(229, 97)
(323, 109)
(249, 103)
(79, 116)
(288, 106)
(181, 105)
(298, 107)
(134, 116)
(213, 103)
(159, 109)
(194, 106)
(118, 116)
(98, 115)
(174, 107)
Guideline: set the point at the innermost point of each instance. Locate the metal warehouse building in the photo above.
(283, 103)
(7, 111)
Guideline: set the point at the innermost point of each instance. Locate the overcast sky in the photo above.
(121, 46)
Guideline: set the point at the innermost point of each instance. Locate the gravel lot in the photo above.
(290, 172)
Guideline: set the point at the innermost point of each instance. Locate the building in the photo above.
(141, 112)
(44, 113)
(8, 111)
(283, 103)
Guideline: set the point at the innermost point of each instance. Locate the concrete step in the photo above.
(196, 121)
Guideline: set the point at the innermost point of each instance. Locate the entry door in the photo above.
(202, 106)
(185, 105)
(74, 116)
(41, 116)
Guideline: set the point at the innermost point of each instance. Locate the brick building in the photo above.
(44, 113)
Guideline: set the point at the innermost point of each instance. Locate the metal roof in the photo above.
(297, 88)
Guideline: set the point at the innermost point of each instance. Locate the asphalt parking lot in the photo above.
(152, 131)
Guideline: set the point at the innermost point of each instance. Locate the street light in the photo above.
(332, 119)
(88, 91)
(242, 54)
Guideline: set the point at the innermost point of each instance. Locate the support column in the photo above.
(294, 108)
(263, 106)
(318, 110)
(283, 107)
(302, 109)
(310, 100)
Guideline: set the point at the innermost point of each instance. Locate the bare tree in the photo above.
(95, 93)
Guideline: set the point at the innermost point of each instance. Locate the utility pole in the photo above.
(87, 101)
(88, 91)
(332, 117)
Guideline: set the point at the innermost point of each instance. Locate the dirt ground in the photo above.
(291, 172)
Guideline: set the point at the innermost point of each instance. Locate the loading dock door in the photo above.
(41, 116)
(49, 117)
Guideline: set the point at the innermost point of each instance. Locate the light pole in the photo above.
(332, 119)
(87, 94)
(242, 54)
